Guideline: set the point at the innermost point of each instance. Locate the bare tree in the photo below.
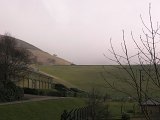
(96, 102)
(144, 74)
(14, 61)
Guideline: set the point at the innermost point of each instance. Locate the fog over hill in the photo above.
(41, 56)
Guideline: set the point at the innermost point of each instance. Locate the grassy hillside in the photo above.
(40, 56)
(83, 77)
(42, 110)
(48, 59)
(88, 77)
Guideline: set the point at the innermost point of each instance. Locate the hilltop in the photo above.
(40, 56)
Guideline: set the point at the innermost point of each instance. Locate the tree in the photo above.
(144, 75)
(14, 62)
(99, 107)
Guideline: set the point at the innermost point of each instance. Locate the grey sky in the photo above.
(76, 30)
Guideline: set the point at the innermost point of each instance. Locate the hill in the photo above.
(42, 57)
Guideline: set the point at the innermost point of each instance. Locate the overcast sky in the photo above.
(76, 30)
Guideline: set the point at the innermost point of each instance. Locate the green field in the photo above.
(41, 110)
(88, 77)
(52, 109)
(82, 77)
(116, 110)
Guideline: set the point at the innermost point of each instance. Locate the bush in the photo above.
(31, 91)
(10, 92)
(102, 112)
(53, 92)
(130, 111)
(49, 92)
(125, 116)
(61, 87)
(42, 92)
(75, 90)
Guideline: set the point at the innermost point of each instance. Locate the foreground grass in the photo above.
(117, 108)
(41, 110)
(52, 109)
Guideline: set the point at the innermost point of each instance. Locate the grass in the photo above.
(41, 110)
(115, 108)
(87, 77)
(52, 109)
(84, 77)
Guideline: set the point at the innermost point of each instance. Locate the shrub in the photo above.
(49, 92)
(102, 112)
(53, 92)
(75, 90)
(10, 92)
(61, 87)
(130, 111)
(31, 91)
(125, 116)
(42, 92)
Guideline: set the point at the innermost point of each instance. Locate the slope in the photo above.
(40, 56)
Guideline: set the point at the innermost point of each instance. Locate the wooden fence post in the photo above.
(84, 113)
(64, 115)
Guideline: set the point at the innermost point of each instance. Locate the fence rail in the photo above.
(84, 113)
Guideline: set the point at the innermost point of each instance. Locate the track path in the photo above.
(31, 98)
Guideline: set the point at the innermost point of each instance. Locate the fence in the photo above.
(84, 113)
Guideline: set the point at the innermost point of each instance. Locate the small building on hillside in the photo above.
(152, 107)
(35, 79)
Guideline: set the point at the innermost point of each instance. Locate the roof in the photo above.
(151, 102)
(33, 70)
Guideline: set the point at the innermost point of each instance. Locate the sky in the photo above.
(76, 30)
